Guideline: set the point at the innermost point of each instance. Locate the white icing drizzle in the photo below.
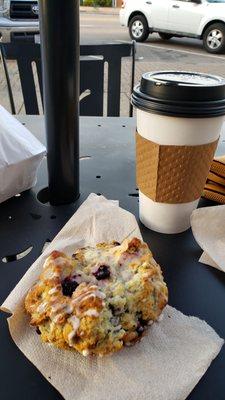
(48, 274)
(59, 260)
(84, 297)
(57, 307)
(42, 307)
(117, 328)
(46, 263)
(53, 290)
(66, 308)
(57, 318)
(92, 313)
(75, 322)
(85, 353)
(100, 295)
(89, 294)
(69, 309)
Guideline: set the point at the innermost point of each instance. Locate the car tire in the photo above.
(165, 36)
(214, 38)
(138, 28)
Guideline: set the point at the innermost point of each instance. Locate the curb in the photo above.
(100, 10)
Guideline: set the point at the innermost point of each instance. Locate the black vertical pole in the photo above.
(131, 111)
(59, 26)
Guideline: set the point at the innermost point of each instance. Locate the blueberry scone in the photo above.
(98, 300)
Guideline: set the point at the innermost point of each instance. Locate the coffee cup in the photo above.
(179, 121)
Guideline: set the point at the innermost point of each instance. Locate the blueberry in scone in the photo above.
(100, 299)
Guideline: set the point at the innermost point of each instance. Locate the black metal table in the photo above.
(107, 167)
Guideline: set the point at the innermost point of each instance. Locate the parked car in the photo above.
(18, 20)
(200, 19)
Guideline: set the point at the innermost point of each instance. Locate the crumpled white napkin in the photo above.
(208, 227)
(166, 365)
(20, 156)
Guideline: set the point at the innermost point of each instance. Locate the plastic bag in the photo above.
(20, 156)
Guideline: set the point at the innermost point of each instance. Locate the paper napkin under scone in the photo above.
(208, 226)
(166, 365)
(215, 184)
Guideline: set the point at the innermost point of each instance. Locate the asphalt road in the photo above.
(184, 53)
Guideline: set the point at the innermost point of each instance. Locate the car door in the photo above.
(184, 16)
(157, 11)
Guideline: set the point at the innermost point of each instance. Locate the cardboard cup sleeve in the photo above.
(172, 174)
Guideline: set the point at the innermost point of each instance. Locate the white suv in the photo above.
(201, 19)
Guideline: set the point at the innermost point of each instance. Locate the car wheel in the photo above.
(138, 28)
(214, 38)
(165, 36)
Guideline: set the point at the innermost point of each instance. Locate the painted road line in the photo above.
(174, 49)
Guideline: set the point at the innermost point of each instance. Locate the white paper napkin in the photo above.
(166, 365)
(20, 156)
(208, 226)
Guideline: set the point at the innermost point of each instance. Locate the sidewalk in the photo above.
(100, 10)
(142, 66)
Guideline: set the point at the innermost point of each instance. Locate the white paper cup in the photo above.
(182, 129)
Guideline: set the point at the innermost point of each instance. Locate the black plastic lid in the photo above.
(180, 94)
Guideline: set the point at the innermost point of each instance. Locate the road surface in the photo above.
(177, 53)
